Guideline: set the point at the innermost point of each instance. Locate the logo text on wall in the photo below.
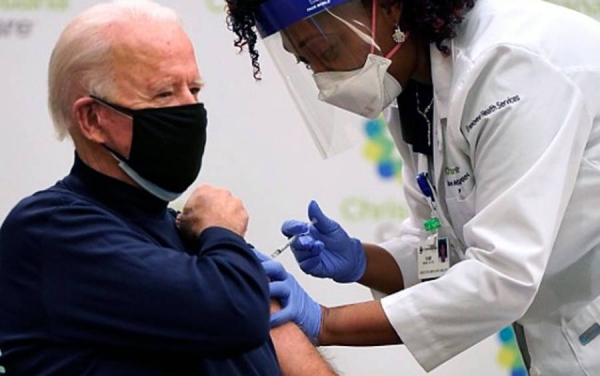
(22, 27)
(15, 27)
(34, 5)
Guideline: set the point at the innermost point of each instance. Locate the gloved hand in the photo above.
(324, 249)
(296, 304)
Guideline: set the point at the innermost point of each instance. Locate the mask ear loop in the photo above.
(127, 112)
(374, 28)
(396, 48)
(373, 25)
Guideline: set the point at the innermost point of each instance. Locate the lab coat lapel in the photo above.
(441, 68)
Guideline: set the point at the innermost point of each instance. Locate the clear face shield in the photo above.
(332, 65)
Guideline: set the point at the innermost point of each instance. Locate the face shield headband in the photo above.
(275, 15)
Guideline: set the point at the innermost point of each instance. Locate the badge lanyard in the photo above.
(433, 253)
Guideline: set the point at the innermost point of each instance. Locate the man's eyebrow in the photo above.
(170, 82)
(160, 83)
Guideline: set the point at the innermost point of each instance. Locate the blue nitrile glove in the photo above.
(296, 304)
(324, 249)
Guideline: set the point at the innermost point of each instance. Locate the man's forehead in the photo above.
(154, 60)
(154, 49)
(155, 37)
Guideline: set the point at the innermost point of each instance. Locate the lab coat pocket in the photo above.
(461, 210)
(583, 333)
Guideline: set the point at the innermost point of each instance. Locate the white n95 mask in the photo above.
(366, 91)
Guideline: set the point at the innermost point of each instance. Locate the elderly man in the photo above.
(97, 276)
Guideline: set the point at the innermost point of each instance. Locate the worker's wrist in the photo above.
(311, 320)
(323, 336)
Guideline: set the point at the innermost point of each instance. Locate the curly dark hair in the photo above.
(433, 20)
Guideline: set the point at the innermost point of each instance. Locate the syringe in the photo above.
(278, 251)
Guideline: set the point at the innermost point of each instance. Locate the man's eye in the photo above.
(165, 94)
(194, 90)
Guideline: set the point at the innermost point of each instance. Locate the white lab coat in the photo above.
(517, 173)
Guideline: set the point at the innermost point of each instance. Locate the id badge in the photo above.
(433, 257)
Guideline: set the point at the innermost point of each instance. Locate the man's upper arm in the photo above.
(105, 284)
(297, 356)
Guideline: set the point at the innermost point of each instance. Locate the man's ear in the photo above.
(87, 114)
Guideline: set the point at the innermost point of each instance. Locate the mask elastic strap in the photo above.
(374, 29)
(120, 109)
(115, 155)
(373, 25)
(154, 189)
(396, 48)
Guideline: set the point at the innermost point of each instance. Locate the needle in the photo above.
(278, 251)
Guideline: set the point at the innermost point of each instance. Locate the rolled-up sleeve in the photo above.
(103, 284)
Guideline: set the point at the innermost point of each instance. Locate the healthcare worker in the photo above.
(497, 122)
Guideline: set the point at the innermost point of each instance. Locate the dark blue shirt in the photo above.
(96, 280)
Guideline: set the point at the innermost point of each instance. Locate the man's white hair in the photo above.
(81, 60)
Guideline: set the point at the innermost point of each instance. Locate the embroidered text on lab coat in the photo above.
(491, 109)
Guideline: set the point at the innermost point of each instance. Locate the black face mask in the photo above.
(166, 148)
